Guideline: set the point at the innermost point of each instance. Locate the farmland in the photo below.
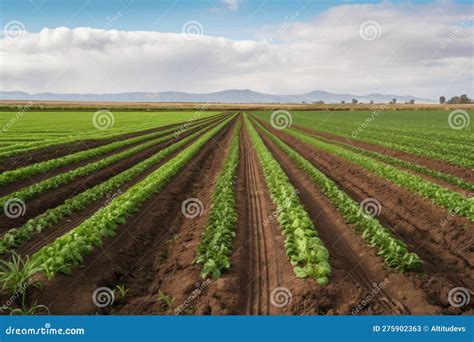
(237, 212)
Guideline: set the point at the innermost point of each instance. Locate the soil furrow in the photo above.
(263, 271)
(135, 248)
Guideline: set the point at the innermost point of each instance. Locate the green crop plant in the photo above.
(16, 236)
(68, 251)
(215, 249)
(45, 166)
(448, 199)
(305, 249)
(393, 250)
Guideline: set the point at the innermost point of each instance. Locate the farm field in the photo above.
(237, 212)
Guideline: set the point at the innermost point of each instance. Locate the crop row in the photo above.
(215, 249)
(431, 139)
(68, 251)
(455, 149)
(403, 163)
(421, 147)
(17, 236)
(394, 251)
(425, 148)
(419, 135)
(423, 133)
(305, 249)
(36, 189)
(97, 135)
(45, 166)
(451, 200)
(57, 141)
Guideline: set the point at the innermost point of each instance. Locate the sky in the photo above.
(419, 48)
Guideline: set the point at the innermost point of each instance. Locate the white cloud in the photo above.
(232, 5)
(423, 50)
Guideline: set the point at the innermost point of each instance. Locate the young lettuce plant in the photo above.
(216, 247)
(393, 250)
(303, 246)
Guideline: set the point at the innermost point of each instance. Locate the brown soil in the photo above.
(170, 267)
(124, 258)
(442, 241)
(351, 258)
(9, 188)
(458, 171)
(260, 267)
(57, 196)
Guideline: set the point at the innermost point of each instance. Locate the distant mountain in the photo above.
(226, 96)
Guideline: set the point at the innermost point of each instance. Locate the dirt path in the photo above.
(263, 272)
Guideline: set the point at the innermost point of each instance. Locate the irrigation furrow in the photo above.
(263, 272)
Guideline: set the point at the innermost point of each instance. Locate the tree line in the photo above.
(455, 99)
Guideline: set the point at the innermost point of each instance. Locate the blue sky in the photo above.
(422, 48)
(166, 15)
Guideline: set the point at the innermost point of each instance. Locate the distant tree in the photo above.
(343, 102)
(454, 100)
(459, 99)
(354, 101)
(442, 99)
(412, 101)
(464, 99)
(371, 101)
(394, 101)
(318, 102)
